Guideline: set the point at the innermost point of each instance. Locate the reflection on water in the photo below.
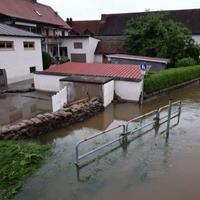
(147, 169)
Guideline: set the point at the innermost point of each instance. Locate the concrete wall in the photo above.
(88, 47)
(78, 91)
(17, 62)
(128, 90)
(47, 82)
(108, 93)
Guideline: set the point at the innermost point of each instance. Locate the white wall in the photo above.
(18, 61)
(98, 58)
(49, 83)
(108, 93)
(59, 99)
(89, 47)
(91, 50)
(128, 90)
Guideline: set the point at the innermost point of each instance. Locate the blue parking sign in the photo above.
(143, 66)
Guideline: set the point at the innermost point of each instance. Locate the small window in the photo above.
(29, 45)
(78, 45)
(32, 69)
(6, 45)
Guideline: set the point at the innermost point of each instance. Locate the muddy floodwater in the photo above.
(149, 168)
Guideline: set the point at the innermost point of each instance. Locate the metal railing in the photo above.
(163, 115)
(79, 157)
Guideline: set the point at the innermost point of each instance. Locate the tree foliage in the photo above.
(47, 60)
(154, 34)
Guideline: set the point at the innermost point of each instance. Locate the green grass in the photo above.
(18, 160)
(170, 77)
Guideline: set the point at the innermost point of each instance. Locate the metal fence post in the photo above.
(125, 137)
(157, 119)
(179, 111)
(169, 117)
(77, 156)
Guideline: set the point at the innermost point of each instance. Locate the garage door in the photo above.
(78, 58)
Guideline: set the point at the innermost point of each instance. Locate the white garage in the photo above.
(124, 81)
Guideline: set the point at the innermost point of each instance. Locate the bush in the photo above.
(170, 77)
(47, 60)
(64, 59)
(185, 62)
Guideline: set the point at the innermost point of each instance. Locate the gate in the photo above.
(3, 78)
(134, 129)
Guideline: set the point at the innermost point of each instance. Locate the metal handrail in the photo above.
(125, 132)
(98, 148)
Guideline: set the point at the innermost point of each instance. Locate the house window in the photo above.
(32, 69)
(9, 45)
(78, 45)
(29, 45)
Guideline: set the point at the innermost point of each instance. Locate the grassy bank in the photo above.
(170, 77)
(18, 160)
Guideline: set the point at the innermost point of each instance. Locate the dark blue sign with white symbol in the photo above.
(143, 66)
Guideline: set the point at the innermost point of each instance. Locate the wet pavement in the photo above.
(149, 168)
(15, 107)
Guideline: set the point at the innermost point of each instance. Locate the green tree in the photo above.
(154, 34)
(47, 60)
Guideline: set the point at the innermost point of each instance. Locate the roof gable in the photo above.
(28, 10)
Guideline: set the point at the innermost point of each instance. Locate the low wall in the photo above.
(44, 123)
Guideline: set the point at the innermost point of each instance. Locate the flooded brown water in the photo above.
(148, 169)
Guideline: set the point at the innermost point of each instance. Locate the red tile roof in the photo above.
(84, 26)
(116, 71)
(110, 47)
(27, 10)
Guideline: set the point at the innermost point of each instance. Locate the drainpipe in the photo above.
(58, 49)
(142, 93)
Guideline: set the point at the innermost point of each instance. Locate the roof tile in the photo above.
(26, 9)
(118, 71)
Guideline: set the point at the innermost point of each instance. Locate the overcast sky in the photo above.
(92, 9)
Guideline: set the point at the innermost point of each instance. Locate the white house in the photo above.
(20, 53)
(126, 79)
(81, 48)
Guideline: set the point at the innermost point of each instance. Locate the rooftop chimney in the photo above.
(69, 21)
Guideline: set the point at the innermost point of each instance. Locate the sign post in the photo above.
(143, 68)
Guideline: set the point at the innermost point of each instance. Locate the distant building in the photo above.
(37, 18)
(81, 48)
(20, 53)
(110, 29)
(157, 64)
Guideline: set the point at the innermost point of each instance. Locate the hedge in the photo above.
(170, 77)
